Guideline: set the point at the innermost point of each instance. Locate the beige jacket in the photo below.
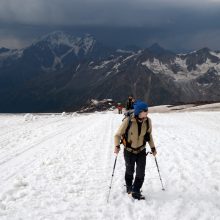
(133, 138)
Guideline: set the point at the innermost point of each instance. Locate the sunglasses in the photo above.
(145, 110)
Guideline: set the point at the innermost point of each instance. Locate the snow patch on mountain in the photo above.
(217, 68)
(14, 54)
(108, 73)
(203, 68)
(115, 67)
(204, 84)
(157, 66)
(60, 38)
(129, 57)
(215, 54)
(181, 63)
(124, 51)
(77, 67)
(103, 64)
(183, 73)
(57, 62)
(88, 43)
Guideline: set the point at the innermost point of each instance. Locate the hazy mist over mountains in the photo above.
(180, 26)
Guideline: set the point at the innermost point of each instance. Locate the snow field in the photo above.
(60, 167)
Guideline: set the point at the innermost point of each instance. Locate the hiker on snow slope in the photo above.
(135, 131)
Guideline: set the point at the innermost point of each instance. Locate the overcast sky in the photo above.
(174, 24)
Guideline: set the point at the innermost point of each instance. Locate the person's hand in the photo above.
(117, 149)
(154, 151)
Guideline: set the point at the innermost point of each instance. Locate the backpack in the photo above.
(124, 139)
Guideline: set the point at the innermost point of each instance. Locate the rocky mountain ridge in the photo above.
(60, 72)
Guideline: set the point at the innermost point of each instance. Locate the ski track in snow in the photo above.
(60, 168)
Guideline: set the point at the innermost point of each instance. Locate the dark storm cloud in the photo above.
(169, 22)
(130, 13)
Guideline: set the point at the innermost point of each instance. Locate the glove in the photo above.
(117, 149)
(154, 151)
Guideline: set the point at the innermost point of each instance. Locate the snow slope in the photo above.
(185, 108)
(60, 166)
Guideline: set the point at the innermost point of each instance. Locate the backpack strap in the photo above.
(125, 135)
(147, 135)
(127, 129)
(147, 123)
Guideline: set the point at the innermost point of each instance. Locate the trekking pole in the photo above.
(159, 173)
(112, 177)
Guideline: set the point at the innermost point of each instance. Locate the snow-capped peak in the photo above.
(186, 67)
(58, 38)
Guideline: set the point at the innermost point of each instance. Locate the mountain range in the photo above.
(60, 72)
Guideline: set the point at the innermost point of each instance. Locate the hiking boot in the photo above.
(137, 195)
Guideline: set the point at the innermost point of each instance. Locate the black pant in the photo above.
(130, 160)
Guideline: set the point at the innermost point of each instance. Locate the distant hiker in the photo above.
(119, 107)
(134, 132)
(130, 103)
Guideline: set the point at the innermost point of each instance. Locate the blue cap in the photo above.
(139, 106)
